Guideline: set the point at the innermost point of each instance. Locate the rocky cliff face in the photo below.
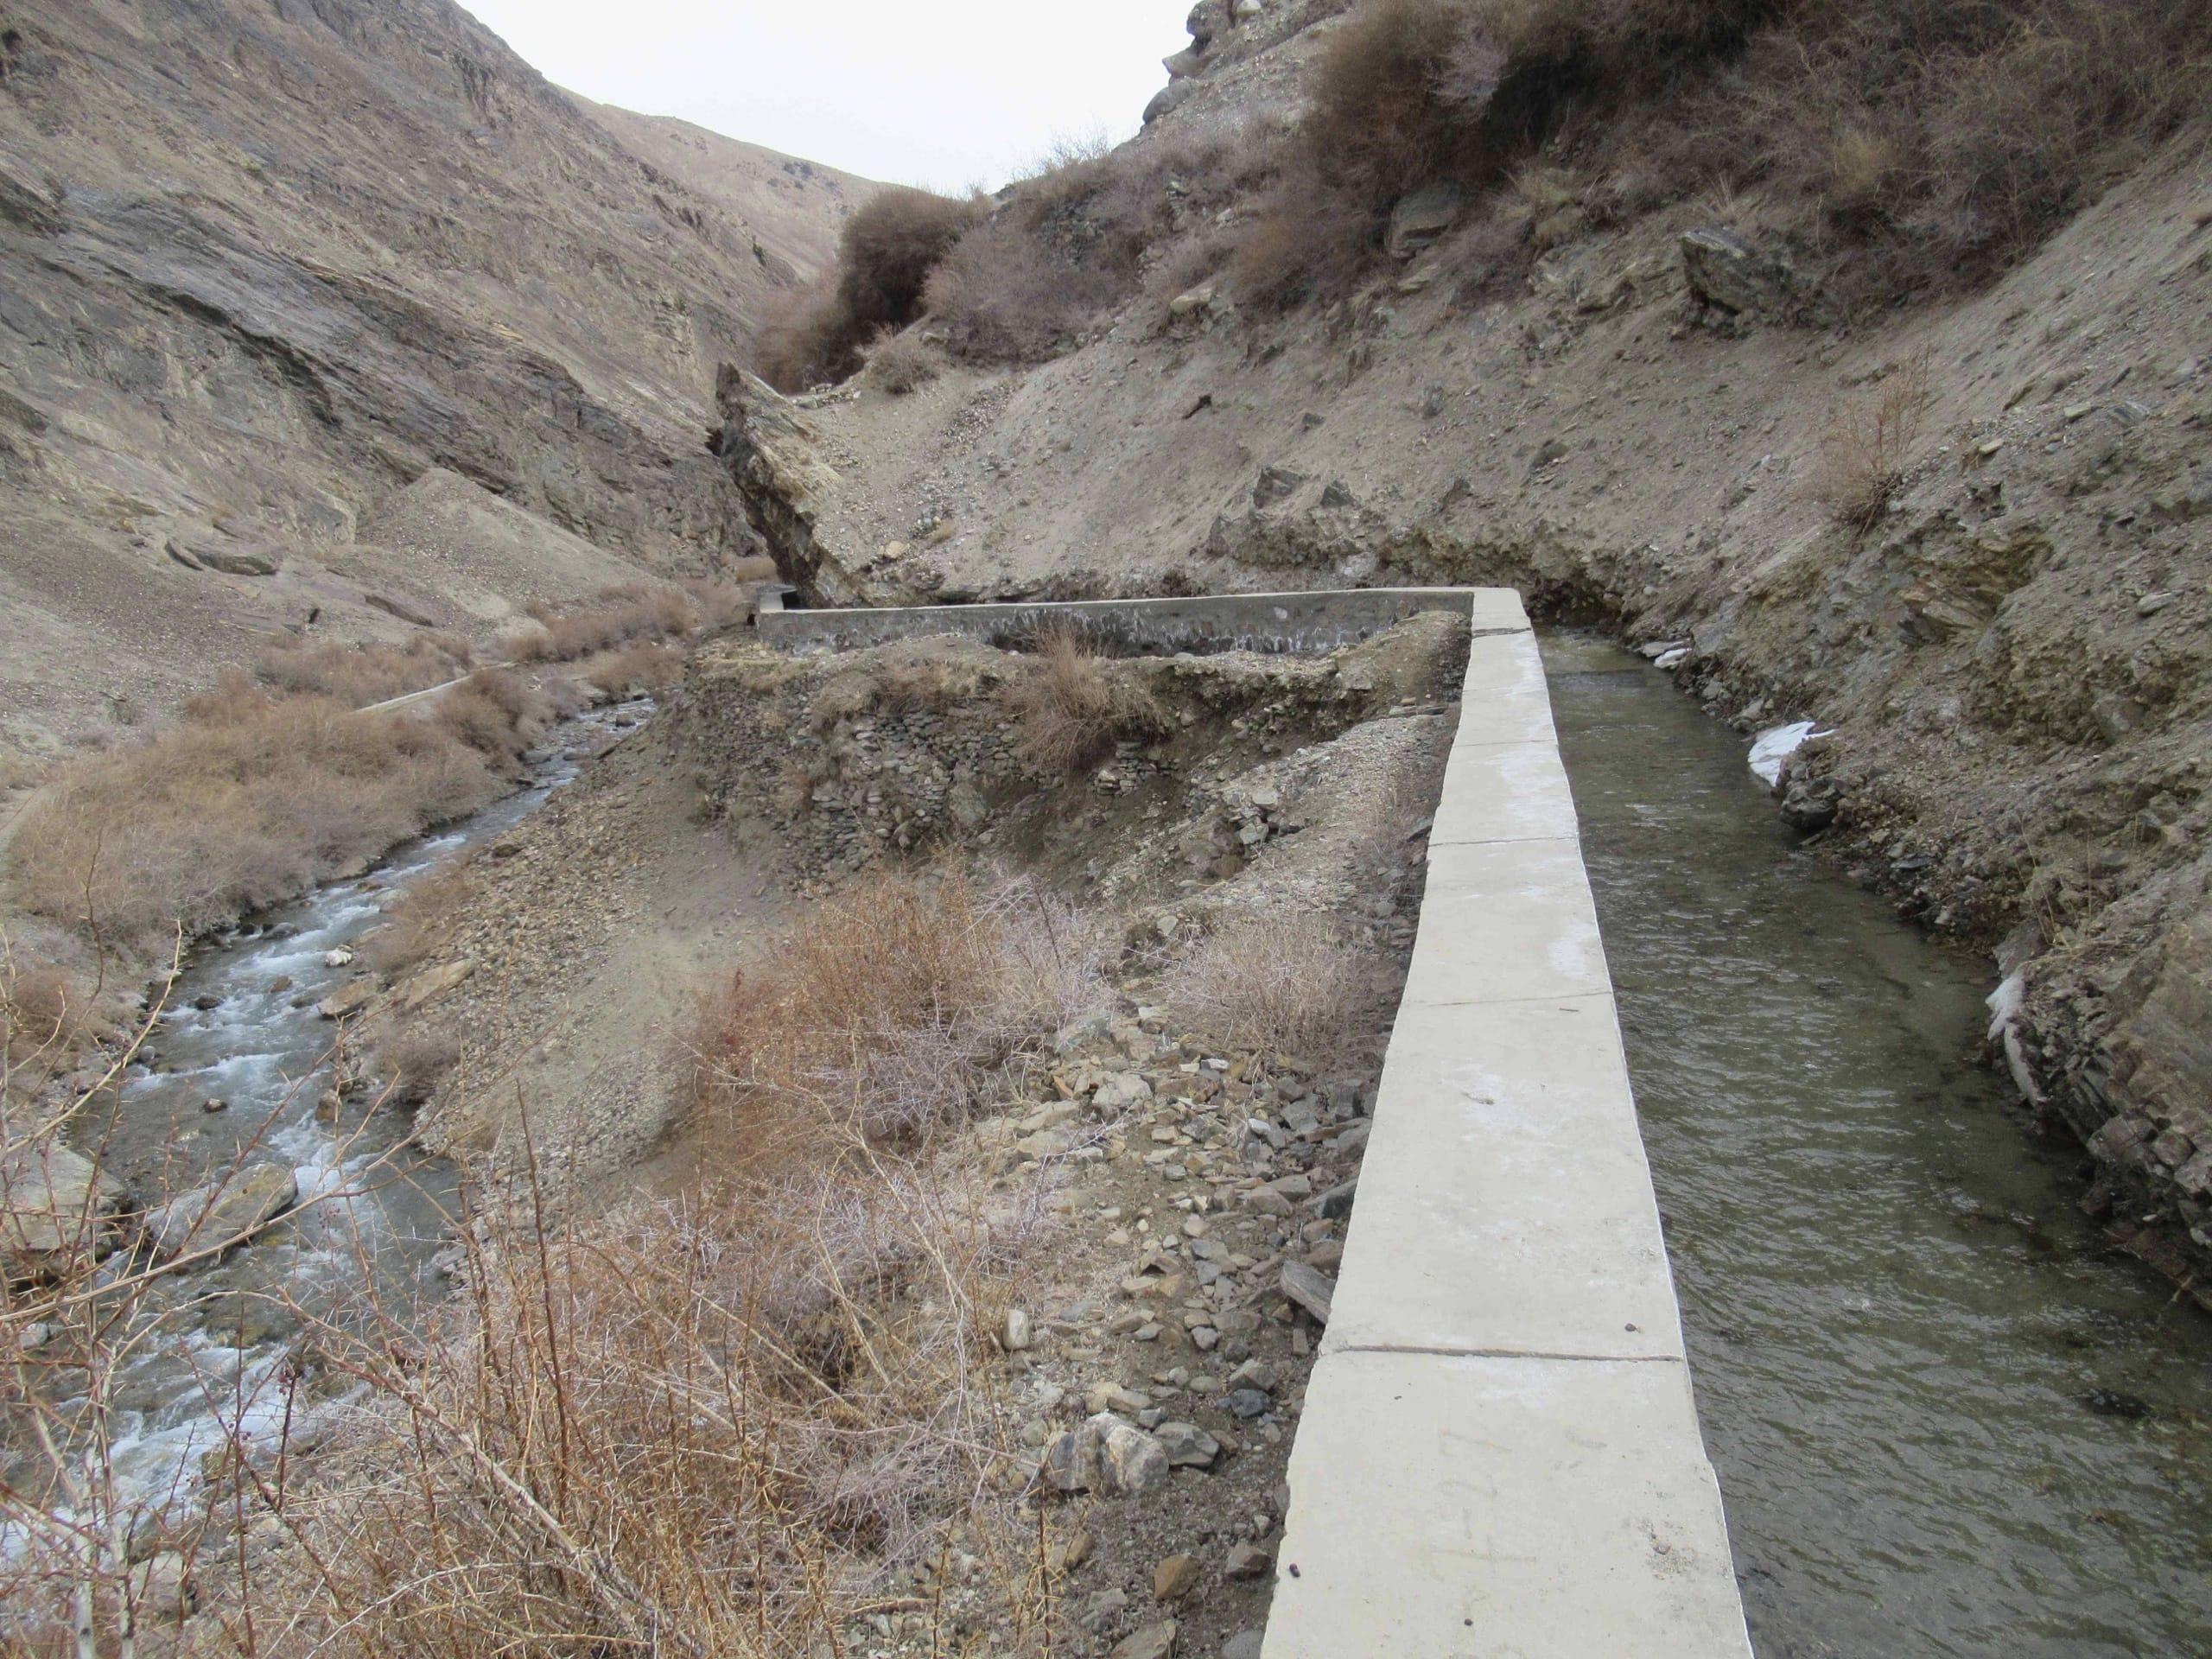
(268, 264)
(2014, 653)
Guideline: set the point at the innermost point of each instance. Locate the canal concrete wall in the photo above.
(1499, 1453)
(1272, 622)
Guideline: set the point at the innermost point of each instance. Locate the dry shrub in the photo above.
(358, 675)
(715, 1429)
(415, 1062)
(626, 612)
(901, 363)
(1917, 143)
(884, 255)
(496, 713)
(1070, 242)
(1865, 454)
(41, 1011)
(423, 922)
(637, 670)
(1297, 985)
(1072, 705)
(615, 616)
(718, 603)
(894, 1007)
(251, 798)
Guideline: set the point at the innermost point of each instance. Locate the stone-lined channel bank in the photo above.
(1946, 1421)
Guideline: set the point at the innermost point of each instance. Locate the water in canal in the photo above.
(1899, 1322)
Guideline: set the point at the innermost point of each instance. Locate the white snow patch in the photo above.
(2006, 1000)
(1772, 747)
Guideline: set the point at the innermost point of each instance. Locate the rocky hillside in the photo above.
(267, 267)
(1655, 418)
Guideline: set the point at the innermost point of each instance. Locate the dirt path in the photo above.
(594, 929)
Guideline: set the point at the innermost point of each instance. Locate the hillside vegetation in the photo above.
(1906, 149)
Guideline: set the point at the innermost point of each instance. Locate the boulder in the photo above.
(1810, 804)
(1724, 270)
(1192, 302)
(1275, 483)
(1130, 1462)
(1153, 1642)
(1248, 1561)
(53, 1203)
(1187, 1445)
(1106, 1456)
(1420, 220)
(1310, 1287)
(1168, 98)
(349, 999)
(432, 982)
(1174, 1578)
(233, 1208)
(1120, 1091)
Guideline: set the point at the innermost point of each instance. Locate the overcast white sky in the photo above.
(949, 94)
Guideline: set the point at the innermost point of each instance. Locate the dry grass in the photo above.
(41, 1009)
(1071, 706)
(715, 1427)
(358, 675)
(614, 616)
(1865, 454)
(1296, 985)
(906, 677)
(640, 669)
(253, 797)
(900, 363)
(422, 923)
(415, 1062)
(894, 1009)
(724, 1425)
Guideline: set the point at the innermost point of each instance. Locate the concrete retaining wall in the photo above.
(1303, 622)
(1499, 1453)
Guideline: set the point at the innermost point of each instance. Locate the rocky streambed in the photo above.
(246, 1111)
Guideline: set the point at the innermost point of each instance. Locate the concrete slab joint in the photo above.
(1499, 1453)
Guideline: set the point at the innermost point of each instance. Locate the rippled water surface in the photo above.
(1896, 1317)
(215, 1339)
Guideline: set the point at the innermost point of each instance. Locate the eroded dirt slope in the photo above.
(2013, 659)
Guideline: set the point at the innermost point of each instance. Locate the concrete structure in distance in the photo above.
(1298, 621)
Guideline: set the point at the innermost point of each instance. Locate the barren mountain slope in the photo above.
(2015, 657)
(265, 264)
(794, 206)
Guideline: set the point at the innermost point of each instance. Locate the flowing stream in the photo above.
(1947, 1421)
(218, 1337)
